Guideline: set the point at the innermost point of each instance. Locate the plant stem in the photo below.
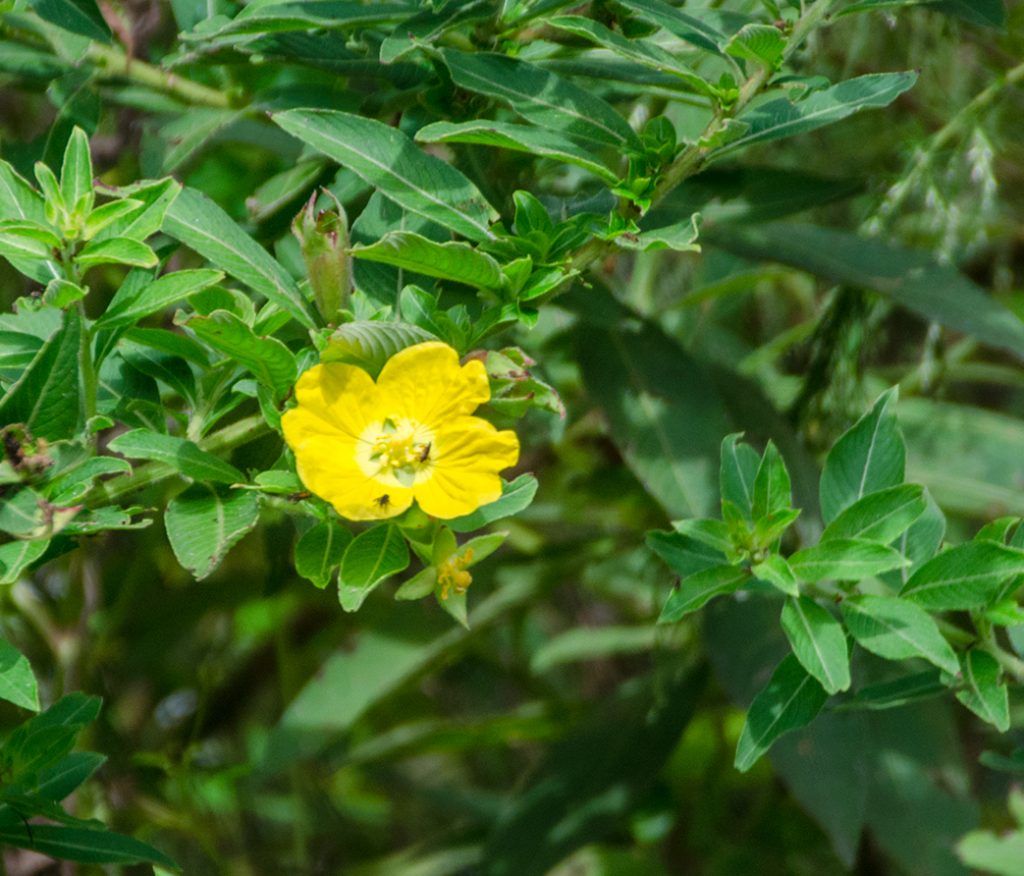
(113, 63)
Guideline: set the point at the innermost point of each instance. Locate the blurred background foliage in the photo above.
(253, 727)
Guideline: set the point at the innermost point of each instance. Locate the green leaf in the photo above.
(17, 556)
(881, 516)
(762, 43)
(260, 18)
(319, 551)
(46, 397)
(390, 161)
(713, 533)
(780, 118)
(818, 642)
(897, 630)
(700, 588)
(518, 138)
(371, 557)
(844, 560)
(455, 261)
(369, 344)
(663, 412)
(516, 496)
(680, 237)
(205, 522)
(644, 52)
(107, 214)
(17, 681)
(991, 13)
(739, 466)
(76, 173)
(78, 16)
(153, 297)
(542, 97)
(772, 487)
(179, 453)
(116, 251)
(991, 853)
(985, 694)
(869, 457)
(898, 692)
(83, 845)
(683, 554)
(919, 543)
(910, 278)
(986, 446)
(791, 700)
(690, 28)
(592, 643)
(777, 572)
(203, 226)
(155, 198)
(269, 360)
(965, 577)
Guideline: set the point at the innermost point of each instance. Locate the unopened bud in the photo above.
(323, 240)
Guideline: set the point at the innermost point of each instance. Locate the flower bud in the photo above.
(323, 240)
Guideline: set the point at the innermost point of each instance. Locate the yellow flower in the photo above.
(371, 447)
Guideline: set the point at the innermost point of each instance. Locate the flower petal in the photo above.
(328, 468)
(470, 453)
(342, 396)
(426, 383)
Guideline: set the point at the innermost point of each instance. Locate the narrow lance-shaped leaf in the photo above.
(201, 225)
(739, 465)
(818, 642)
(82, 17)
(964, 577)
(699, 589)
(985, 694)
(791, 700)
(390, 161)
(780, 118)
(17, 681)
(897, 630)
(882, 516)
(156, 296)
(844, 559)
(519, 138)
(685, 26)
(772, 487)
(181, 454)
(541, 97)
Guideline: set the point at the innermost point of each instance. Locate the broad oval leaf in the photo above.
(870, 456)
(516, 496)
(17, 681)
(319, 551)
(371, 557)
(738, 469)
(453, 261)
(204, 523)
(369, 344)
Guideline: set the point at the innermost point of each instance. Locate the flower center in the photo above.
(401, 448)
